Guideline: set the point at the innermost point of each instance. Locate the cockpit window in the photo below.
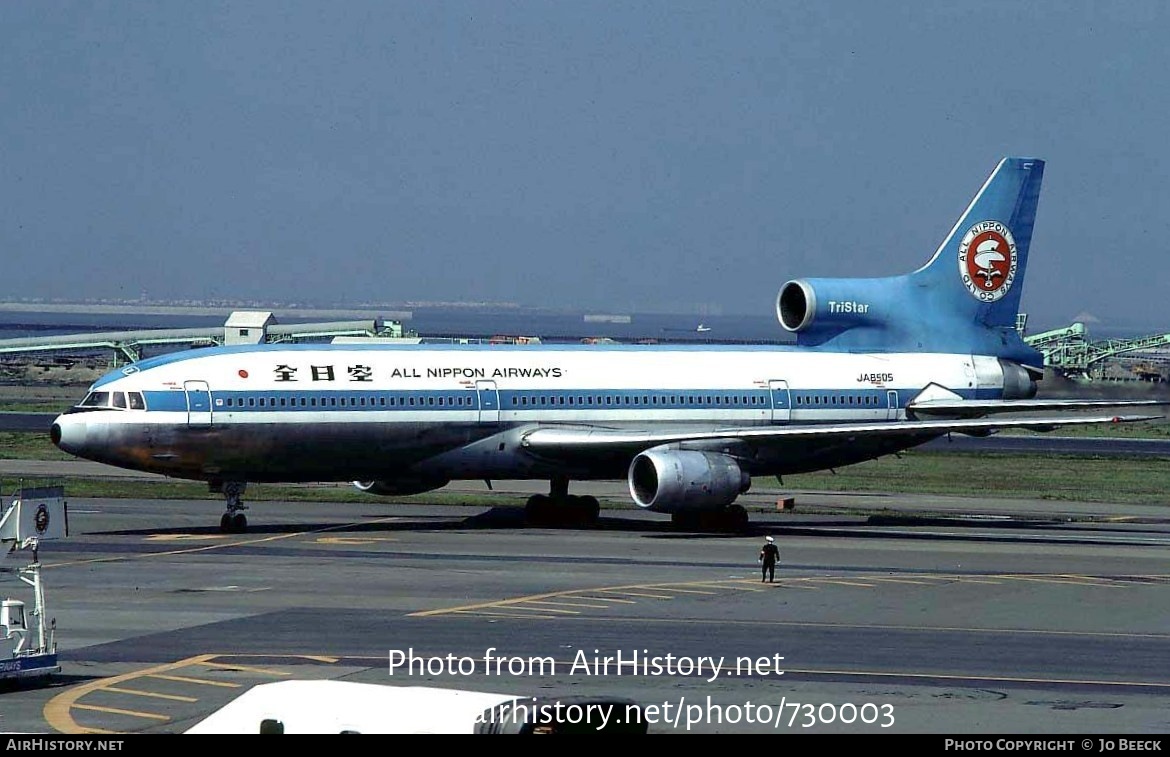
(119, 400)
(136, 401)
(96, 399)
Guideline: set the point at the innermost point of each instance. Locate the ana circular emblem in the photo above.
(41, 519)
(987, 260)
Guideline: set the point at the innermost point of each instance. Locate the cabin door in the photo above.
(891, 405)
(781, 401)
(198, 404)
(489, 401)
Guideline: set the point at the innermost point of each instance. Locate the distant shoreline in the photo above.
(103, 309)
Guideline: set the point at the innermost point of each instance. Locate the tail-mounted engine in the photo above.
(819, 309)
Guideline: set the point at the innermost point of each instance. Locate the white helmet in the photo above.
(769, 539)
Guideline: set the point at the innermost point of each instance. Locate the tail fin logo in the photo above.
(987, 260)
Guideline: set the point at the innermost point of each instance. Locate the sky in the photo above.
(672, 156)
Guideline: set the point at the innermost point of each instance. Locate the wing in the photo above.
(567, 440)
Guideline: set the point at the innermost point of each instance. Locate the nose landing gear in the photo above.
(233, 521)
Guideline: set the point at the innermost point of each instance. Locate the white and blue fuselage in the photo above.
(371, 412)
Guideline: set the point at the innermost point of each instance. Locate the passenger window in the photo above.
(119, 400)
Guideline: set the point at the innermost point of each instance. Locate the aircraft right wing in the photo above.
(566, 440)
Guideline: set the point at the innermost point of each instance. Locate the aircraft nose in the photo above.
(68, 434)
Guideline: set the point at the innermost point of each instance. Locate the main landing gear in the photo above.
(233, 521)
(559, 508)
(730, 518)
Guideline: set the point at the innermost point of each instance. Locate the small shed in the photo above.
(247, 327)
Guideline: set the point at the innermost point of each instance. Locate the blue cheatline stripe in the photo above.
(513, 400)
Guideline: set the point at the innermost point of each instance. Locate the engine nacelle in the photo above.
(400, 486)
(1018, 383)
(677, 481)
(831, 306)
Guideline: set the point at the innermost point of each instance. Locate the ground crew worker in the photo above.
(769, 556)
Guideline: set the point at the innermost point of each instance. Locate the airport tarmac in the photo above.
(1026, 618)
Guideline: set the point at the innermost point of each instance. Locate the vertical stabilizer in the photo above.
(979, 267)
(964, 300)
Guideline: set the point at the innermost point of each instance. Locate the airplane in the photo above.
(879, 365)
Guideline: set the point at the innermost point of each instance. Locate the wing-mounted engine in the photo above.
(400, 486)
(680, 481)
(817, 310)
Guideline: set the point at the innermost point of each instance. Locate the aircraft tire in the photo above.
(239, 523)
(736, 518)
(590, 508)
(538, 510)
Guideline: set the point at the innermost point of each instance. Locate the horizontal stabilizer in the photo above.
(960, 408)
